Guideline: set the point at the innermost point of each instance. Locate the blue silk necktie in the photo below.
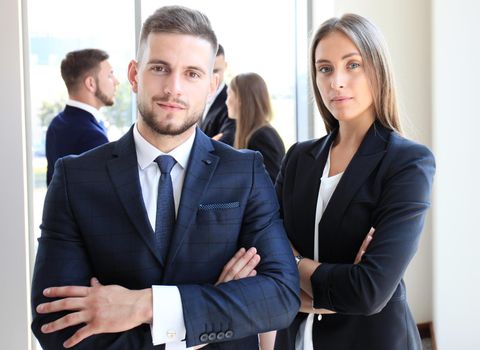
(165, 220)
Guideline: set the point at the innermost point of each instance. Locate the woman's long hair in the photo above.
(373, 49)
(254, 107)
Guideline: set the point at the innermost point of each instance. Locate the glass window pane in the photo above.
(56, 27)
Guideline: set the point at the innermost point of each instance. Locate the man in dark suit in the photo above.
(91, 85)
(136, 232)
(215, 122)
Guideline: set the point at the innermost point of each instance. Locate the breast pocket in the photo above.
(224, 213)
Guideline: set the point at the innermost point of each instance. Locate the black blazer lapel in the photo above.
(123, 170)
(308, 172)
(371, 151)
(201, 166)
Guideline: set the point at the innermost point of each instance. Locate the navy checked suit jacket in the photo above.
(387, 185)
(72, 131)
(95, 224)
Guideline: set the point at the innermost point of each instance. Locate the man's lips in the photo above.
(170, 106)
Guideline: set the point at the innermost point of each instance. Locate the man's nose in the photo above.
(173, 85)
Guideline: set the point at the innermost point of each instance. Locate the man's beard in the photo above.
(107, 101)
(166, 128)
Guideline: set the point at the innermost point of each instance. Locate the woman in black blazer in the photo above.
(332, 191)
(248, 102)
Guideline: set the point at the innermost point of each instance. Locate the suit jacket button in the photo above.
(204, 337)
(220, 335)
(212, 336)
(228, 334)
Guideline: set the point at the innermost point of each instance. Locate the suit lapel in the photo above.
(369, 154)
(201, 167)
(123, 170)
(308, 174)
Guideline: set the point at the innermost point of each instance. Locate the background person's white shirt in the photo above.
(88, 108)
(168, 325)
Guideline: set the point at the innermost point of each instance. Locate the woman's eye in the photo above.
(324, 69)
(353, 65)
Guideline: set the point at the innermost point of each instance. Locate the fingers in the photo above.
(217, 136)
(94, 282)
(65, 292)
(363, 248)
(79, 335)
(240, 266)
(230, 263)
(61, 305)
(69, 320)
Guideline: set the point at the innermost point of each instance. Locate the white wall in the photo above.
(14, 313)
(456, 77)
(406, 27)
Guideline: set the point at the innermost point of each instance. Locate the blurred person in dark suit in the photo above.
(215, 122)
(91, 85)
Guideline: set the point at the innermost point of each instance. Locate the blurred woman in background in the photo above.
(248, 102)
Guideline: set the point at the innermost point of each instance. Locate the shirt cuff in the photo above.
(168, 325)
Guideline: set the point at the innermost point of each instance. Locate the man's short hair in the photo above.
(177, 20)
(78, 64)
(220, 51)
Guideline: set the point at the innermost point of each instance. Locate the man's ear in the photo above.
(132, 75)
(90, 83)
(214, 83)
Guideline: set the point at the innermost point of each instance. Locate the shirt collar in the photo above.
(90, 109)
(146, 152)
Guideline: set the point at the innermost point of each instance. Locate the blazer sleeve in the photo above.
(227, 128)
(268, 301)
(398, 220)
(269, 144)
(62, 260)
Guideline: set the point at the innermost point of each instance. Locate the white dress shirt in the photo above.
(168, 330)
(304, 338)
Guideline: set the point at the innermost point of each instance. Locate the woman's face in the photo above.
(232, 104)
(342, 80)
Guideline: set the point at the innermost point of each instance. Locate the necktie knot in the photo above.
(165, 163)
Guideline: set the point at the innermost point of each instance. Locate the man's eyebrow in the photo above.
(159, 61)
(197, 68)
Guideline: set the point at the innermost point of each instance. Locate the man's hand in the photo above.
(217, 136)
(103, 309)
(241, 265)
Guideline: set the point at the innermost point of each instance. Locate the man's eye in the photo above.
(193, 75)
(158, 68)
